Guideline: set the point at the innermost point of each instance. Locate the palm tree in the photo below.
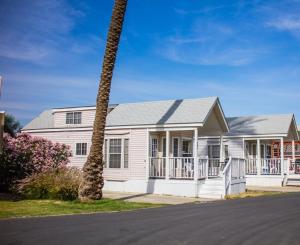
(92, 182)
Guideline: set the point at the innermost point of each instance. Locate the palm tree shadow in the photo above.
(169, 112)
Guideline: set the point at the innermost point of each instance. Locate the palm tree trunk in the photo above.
(92, 182)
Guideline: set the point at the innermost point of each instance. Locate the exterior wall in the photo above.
(69, 138)
(87, 119)
(235, 146)
(137, 150)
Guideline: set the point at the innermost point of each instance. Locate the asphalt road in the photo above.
(265, 220)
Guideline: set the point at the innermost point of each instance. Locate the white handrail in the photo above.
(227, 165)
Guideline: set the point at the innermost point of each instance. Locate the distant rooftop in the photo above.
(260, 125)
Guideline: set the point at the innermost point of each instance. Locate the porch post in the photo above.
(221, 150)
(148, 155)
(293, 151)
(195, 155)
(258, 157)
(281, 155)
(167, 154)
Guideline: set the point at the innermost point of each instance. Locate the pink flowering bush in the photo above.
(25, 155)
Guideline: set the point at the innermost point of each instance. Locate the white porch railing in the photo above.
(233, 172)
(182, 167)
(268, 166)
(202, 168)
(271, 166)
(214, 167)
(292, 167)
(157, 167)
(251, 167)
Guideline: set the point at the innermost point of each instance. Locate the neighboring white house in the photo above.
(177, 147)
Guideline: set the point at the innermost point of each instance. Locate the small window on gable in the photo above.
(73, 118)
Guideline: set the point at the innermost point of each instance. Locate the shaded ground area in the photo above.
(27, 208)
(262, 220)
(151, 198)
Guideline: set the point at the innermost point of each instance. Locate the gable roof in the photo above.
(261, 125)
(185, 111)
(42, 121)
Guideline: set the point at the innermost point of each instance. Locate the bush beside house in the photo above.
(25, 155)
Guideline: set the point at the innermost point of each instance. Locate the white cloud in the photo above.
(211, 43)
(286, 23)
(32, 30)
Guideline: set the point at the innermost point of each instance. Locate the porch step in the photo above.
(293, 182)
(212, 188)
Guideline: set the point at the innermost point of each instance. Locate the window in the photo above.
(187, 148)
(116, 153)
(254, 151)
(226, 152)
(175, 147)
(73, 118)
(164, 147)
(81, 148)
(214, 151)
(154, 147)
(268, 151)
(126, 152)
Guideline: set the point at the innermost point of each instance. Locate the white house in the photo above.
(177, 147)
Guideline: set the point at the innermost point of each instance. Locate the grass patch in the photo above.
(28, 208)
(250, 193)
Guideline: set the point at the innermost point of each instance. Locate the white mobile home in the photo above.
(177, 147)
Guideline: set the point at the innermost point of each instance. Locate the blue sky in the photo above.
(245, 52)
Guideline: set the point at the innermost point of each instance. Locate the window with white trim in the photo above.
(154, 147)
(116, 153)
(73, 117)
(81, 149)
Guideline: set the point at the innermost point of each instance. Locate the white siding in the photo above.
(235, 146)
(137, 150)
(70, 138)
(138, 153)
(87, 119)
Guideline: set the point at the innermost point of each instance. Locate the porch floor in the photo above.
(153, 198)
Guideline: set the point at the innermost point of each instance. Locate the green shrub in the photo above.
(53, 184)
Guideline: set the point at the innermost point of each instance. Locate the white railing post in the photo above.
(258, 157)
(167, 154)
(281, 154)
(195, 153)
(293, 151)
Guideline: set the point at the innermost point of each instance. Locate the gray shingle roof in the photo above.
(260, 125)
(44, 120)
(161, 112)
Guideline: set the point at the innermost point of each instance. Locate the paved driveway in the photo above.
(264, 220)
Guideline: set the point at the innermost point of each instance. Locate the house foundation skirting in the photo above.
(184, 188)
(264, 180)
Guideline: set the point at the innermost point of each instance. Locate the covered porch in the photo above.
(174, 154)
